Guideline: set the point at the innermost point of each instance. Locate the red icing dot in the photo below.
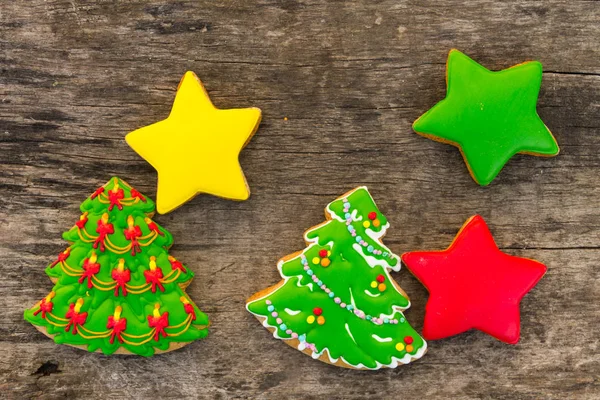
(323, 253)
(372, 215)
(380, 278)
(317, 311)
(408, 340)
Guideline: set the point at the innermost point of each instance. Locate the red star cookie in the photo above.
(472, 284)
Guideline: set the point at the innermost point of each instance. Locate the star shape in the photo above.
(196, 149)
(490, 116)
(473, 285)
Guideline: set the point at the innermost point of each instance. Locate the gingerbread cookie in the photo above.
(337, 301)
(117, 289)
(490, 116)
(195, 150)
(473, 285)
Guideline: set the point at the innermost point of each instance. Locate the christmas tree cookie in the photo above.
(490, 116)
(337, 301)
(116, 287)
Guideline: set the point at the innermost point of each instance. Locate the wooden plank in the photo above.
(350, 77)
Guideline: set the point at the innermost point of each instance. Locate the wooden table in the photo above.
(339, 84)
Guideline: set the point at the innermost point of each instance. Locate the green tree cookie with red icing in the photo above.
(337, 301)
(117, 289)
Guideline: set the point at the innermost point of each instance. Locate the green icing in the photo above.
(490, 115)
(100, 301)
(362, 337)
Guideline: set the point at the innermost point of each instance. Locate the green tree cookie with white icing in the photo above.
(337, 301)
(117, 289)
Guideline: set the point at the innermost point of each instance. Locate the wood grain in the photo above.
(350, 77)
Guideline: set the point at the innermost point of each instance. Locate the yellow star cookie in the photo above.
(196, 149)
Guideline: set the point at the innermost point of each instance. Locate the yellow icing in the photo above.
(196, 149)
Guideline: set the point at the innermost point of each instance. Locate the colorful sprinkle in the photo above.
(317, 311)
(270, 308)
(408, 340)
(409, 348)
(381, 287)
(380, 278)
(321, 320)
(376, 223)
(325, 262)
(374, 284)
(399, 346)
(310, 319)
(366, 224)
(372, 215)
(316, 260)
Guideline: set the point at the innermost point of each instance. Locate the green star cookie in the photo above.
(490, 116)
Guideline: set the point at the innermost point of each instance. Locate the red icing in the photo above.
(45, 306)
(380, 278)
(62, 256)
(372, 215)
(97, 193)
(190, 310)
(81, 223)
(472, 284)
(75, 319)
(103, 230)
(115, 199)
(89, 269)
(132, 234)
(153, 227)
(117, 328)
(138, 195)
(154, 277)
(317, 311)
(323, 253)
(177, 265)
(160, 323)
(121, 278)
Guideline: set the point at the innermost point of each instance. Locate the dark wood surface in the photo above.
(350, 77)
